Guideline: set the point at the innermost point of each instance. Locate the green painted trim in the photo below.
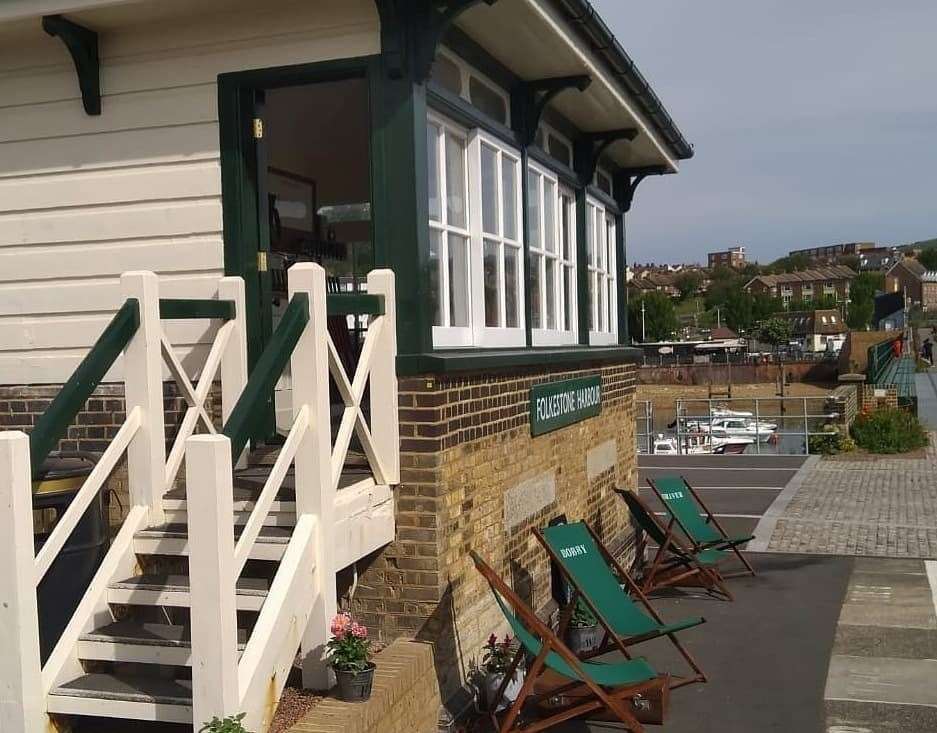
(582, 267)
(525, 224)
(354, 304)
(564, 174)
(466, 48)
(495, 360)
(183, 308)
(555, 405)
(53, 423)
(255, 402)
(621, 260)
(82, 45)
(460, 111)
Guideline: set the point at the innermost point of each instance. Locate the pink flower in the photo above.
(492, 640)
(340, 625)
(359, 631)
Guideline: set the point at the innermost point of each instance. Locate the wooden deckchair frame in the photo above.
(674, 564)
(612, 639)
(613, 701)
(724, 544)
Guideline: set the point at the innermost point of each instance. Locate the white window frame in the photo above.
(484, 335)
(602, 274)
(467, 72)
(562, 332)
(445, 335)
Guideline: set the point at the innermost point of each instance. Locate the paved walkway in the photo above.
(926, 386)
(875, 506)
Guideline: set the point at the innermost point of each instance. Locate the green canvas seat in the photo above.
(675, 563)
(591, 571)
(687, 509)
(553, 670)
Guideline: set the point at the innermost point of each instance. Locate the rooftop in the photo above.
(833, 272)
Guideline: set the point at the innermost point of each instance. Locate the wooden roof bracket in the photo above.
(530, 98)
(627, 181)
(82, 44)
(590, 146)
(412, 29)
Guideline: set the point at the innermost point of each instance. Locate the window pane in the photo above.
(511, 259)
(533, 209)
(488, 100)
(455, 181)
(551, 293)
(603, 182)
(560, 150)
(458, 281)
(489, 166)
(610, 243)
(492, 279)
(570, 295)
(603, 313)
(509, 196)
(435, 278)
(600, 241)
(549, 220)
(536, 290)
(564, 227)
(592, 301)
(432, 160)
(590, 234)
(446, 73)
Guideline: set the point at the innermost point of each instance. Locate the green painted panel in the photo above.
(354, 304)
(181, 308)
(53, 423)
(555, 405)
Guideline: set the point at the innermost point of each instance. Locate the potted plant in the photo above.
(349, 656)
(584, 633)
(495, 662)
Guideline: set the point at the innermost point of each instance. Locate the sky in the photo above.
(814, 122)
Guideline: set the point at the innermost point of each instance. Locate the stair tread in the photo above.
(241, 493)
(149, 634)
(268, 534)
(180, 583)
(130, 688)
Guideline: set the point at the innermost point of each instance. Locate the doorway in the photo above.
(296, 167)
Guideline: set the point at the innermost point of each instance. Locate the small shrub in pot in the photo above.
(495, 662)
(349, 656)
(584, 633)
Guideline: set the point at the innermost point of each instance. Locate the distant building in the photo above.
(890, 313)
(806, 285)
(831, 252)
(734, 258)
(911, 277)
(817, 330)
(878, 258)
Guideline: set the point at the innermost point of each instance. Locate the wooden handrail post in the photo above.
(234, 361)
(384, 419)
(21, 700)
(209, 493)
(315, 493)
(143, 387)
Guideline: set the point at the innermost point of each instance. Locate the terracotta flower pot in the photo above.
(355, 686)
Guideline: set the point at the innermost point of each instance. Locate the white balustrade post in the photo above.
(385, 426)
(21, 701)
(315, 493)
(209, 482)
(234, 361)
(143, 388)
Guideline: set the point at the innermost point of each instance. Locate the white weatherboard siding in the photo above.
(83, 199)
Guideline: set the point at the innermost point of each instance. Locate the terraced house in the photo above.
(310, 265)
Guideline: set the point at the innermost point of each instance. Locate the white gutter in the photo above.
(598, 75)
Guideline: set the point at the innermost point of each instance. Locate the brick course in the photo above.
(465, 443)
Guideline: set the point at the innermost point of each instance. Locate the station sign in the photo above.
(555, 405)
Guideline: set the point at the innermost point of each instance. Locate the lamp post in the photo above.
(643, 335)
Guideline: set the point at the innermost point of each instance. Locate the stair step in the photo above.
(281, 514)
(124, 696)
(172, 539)
(173, 591)
(142, 643)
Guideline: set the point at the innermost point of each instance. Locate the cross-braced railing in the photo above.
(302, 598)
(134, 334)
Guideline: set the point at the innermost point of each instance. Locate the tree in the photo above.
(774, 331)
(862, 292)
(660, 318)
(737, 311)
(688, 283)
(928, 258)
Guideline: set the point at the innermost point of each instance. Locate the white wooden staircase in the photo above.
(214, 586)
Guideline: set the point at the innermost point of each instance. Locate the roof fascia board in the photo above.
(23, 9)
(599, 75)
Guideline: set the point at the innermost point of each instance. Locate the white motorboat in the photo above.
(738, 427)
(700, 444)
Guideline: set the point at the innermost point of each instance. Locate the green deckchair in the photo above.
(588, 567)
(685, 506)
(610, 687)
(674, 563)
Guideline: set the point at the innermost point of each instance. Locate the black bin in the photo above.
(54, 487)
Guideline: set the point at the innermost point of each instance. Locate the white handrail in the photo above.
(268, 494)
(89, 489)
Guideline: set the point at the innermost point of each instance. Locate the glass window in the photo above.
(603, 182)
(447, 74)
(601, 243)
(560, 150)
(488, 100)
(552, 259)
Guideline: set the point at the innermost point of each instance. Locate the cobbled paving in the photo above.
(885, 507)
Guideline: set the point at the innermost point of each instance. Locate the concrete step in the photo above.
(173, 591)
(142, 643)
(124, 696)
(172, 539)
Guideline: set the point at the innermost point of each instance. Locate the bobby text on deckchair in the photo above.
(674, 564)
(596, 579)
(594, 689)
(686, 507)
